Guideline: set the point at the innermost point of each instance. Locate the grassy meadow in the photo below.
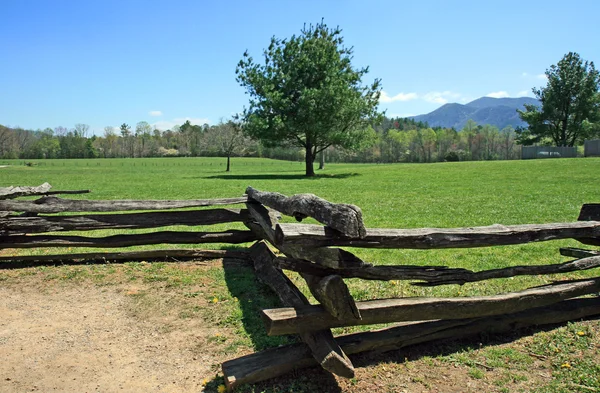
(457, 194)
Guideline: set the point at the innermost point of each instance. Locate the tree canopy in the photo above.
(570, 108)
(307, 94)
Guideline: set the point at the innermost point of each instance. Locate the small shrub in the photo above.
(452, 156)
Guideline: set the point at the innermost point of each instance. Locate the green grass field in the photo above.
(394, 196)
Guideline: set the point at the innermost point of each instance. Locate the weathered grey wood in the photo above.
(333, 294)
(269, 275)
(301, 319)
(378, 272)
(461, 278)
(40, 224)
(341, 304)
(326, 256)
(167, 237)
(59, 205)
(347, 219)
(578, 252)
(321, 342)
(590, 241)
(274, 362)
(19, 261)
(14, 192)
(44, 189)
(589, 212)
(417, 332)
(271, 363)
(428, 238)
(265, 228)
(266, 220)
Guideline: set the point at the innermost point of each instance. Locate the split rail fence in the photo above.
(313, 251)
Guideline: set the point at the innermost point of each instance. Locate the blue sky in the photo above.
(104, 62)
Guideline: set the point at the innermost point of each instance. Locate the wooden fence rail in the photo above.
(440, 275)
(314, 252)
(50, 205)
(173, 256)
(306, 318)
(40, 224)
(432, 238)
(281, 360)
(311, 251)
(232, 236)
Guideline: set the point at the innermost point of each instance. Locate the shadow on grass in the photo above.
(308, 380)
(448, 346)
(316, 379)
(253, 297)
(274, 176)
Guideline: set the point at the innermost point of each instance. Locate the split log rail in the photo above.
(314, 252)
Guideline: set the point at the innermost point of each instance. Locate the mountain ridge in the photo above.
(499, 112)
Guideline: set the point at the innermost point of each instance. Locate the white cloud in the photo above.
(524, 93)
(384, 97)
(441, 97)
(536, 76)
(155, 113)
(498, 94)
(168, 124)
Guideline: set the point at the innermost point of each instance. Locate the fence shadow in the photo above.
(448, 346)
(313, 379)
(323, 381)
(252, 297)
(274, 176)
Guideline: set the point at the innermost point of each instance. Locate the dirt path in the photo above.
(71, 338)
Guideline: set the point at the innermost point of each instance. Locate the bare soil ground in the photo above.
(77, 337)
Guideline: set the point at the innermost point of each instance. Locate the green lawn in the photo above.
(393, 196)
(400, 195)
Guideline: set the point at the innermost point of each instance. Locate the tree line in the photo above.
(143, 140)
(405, 140)
(393, 140)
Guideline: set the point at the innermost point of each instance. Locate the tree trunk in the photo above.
(322, 160)
(228, 163)
(310, 160)
(563, 133)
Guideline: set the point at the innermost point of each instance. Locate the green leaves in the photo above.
(570, 103)
(307, 94)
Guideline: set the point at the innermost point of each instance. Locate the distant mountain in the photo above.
(499, 112)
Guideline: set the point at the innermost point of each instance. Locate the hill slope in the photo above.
(500, 112)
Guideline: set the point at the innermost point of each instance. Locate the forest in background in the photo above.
(394, 140)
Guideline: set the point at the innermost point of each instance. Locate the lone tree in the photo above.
(229, 139)
(307, 94)
(570, 103)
